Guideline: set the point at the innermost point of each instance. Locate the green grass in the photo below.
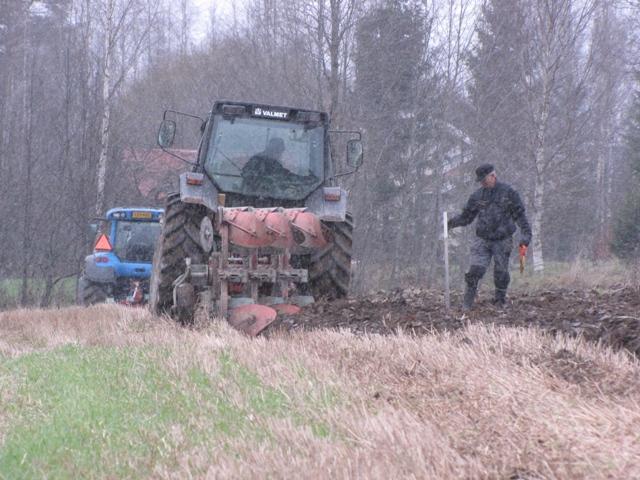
(260, 400)
(267, 401)
(63, 293)
(86, 411)
(108, 412)
(580, 273)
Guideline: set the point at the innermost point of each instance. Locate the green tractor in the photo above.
(259, 226)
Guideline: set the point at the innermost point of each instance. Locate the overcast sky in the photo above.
(203, 8)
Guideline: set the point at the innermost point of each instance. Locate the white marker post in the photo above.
(447, 294)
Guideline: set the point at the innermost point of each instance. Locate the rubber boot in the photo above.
(501, 280)
(500, 298)
(471, 278)
(469, 297)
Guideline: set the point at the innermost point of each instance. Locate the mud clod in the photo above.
(611, 317)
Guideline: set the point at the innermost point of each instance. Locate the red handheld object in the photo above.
(523, 254)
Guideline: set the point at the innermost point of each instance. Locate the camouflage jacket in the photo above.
(261, 173)
(498, 210)
(265, 176)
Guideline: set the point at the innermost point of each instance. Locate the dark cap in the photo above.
(483, 170)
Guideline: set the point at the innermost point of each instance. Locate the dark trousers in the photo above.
(482, 251)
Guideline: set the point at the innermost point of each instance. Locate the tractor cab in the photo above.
(133, 234)
(265, 155)
(120, 265)
(259, 151)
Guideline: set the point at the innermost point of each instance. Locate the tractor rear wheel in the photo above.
(90, 293)
(330, 268)
(180, 239)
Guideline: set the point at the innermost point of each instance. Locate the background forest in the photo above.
(546, 90)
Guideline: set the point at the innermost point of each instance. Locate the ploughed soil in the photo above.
(610, 316)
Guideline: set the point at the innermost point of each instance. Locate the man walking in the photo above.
(498, 208)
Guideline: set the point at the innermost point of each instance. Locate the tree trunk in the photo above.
(106, 111)
(539, 188)
(320, 55)
(540, 155)
(603, 178)
(27, 110)
(334, 55)
(538, 213)
(45, 300)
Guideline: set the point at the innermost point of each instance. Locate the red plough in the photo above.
(250, 277)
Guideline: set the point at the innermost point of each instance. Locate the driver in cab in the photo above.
(138, 244)
(265, 167)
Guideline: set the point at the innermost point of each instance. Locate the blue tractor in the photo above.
(119, 268)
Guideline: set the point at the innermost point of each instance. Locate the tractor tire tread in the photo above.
(330, 268)
(180, 238)
(90, 293)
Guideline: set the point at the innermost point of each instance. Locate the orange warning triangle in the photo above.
(103, 244)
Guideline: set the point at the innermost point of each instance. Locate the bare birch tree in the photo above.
(118, 18)
(608, 42)
(557, 28)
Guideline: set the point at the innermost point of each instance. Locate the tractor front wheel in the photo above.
(180, 239)
(330, 268)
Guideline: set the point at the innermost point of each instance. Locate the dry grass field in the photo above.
(110, 392)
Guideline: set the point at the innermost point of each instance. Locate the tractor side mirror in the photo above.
(166, 133)
(355, 153)
(93, 228)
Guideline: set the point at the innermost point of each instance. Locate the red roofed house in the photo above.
(155, 173)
